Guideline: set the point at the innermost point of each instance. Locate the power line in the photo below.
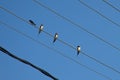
(14, 15)
(27, 63)
(118, 25)
(88, 32)
(65, 43)
(77, 25)
(87, 55)
(100, 62)
(55, 50)
(34, 26)
(71, 46)
(111, 5)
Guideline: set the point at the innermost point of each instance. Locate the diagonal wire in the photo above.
(111, 5)
(108, 66)
(27, 63)
(35, 26)
(77, 25)
(86, 31)
(55, 50)
(74, 48)
(118, 25)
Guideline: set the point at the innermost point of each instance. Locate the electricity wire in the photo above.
(35, 26)
(69, 45)
(77, 25)
(55, 50)
(111, 5)
(27, 63)
(118, 25)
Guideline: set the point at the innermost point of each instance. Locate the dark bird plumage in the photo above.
(78, 50)
(40, 28)
(31, 22)
(55, 37)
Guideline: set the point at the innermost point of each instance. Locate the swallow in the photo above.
(41, 28)
(55, 37)
(31, 22)
(78, 50)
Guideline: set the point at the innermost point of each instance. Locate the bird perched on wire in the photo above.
(55, 37)
(78, 50)
(40, 28)
(32, 23)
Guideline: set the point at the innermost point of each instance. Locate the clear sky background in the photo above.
(51, 61)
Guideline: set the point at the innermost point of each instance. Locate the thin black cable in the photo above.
(86, 31)
(92, 58)
(55, 50)
(74, 48)
(27, 63)
(100, 62)
(34, 26)
(77, 25)
(15, 15)
(111, 5)
(65, 43)
(118, 25)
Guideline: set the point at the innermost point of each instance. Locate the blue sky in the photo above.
(51, 61)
